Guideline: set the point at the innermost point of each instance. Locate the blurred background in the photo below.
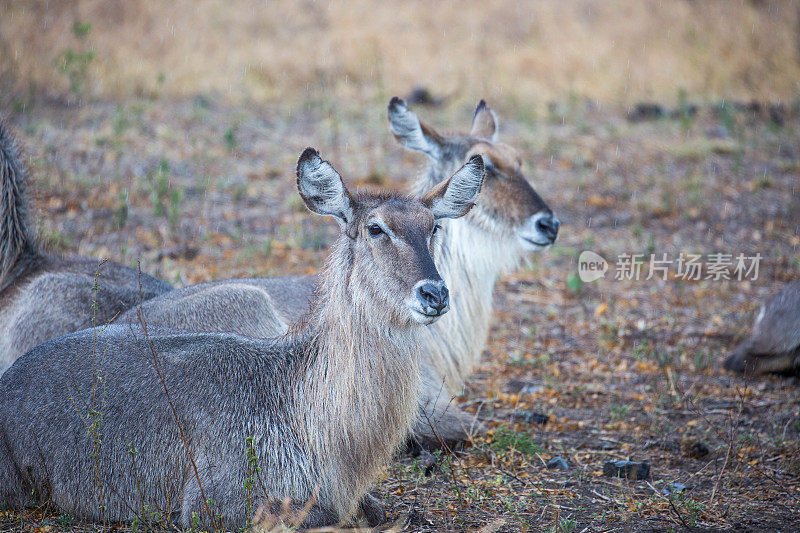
(520, 52)
(166, 133)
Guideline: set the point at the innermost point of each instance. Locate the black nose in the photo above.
(434, 294)
(548, 225)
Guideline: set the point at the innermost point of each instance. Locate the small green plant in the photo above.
(506, 439)
(689, 508)
(165, 199)
(565, 525)
(644, 351)
(90, 404)
(619, 411)
(702, 359)
(728, 118)
(230, 139)
(65, 520)
(253, 471)
(159, 187)
(685, 110)
(119, 123)
(120, 213)
(296, 204)
(54, 239)
(81, 29)
(75, 64)
(764, 181)
(195, 527)
(215, 512)
(147, 521)
(239, 192)
(175, 201)
(574, 283)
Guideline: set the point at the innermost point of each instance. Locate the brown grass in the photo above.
(613, 51)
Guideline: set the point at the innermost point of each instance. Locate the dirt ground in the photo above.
(197, 190)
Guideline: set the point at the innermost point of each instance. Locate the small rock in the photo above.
(694, 449)
(748, 107)
(607, 445)
(532, 417)
(777, 114)
(422, 96)
(179, 252)
(673, 488)
(646, 111)
(718, 132)
(523, 386)
(417, 519)
(558, 463)
(373, 510)
(428, 461)
(627, 469)
(688, 111)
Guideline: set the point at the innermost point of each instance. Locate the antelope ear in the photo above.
(412, 133)
(322, 188)
(484, 123)
(454, 197)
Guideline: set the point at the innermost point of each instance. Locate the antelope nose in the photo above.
(434, 294)
(548, 226)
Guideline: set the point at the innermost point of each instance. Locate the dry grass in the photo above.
(623, 369)
(521, 51)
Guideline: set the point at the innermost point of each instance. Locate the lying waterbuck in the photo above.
(509, 220)
(42, 296)
(192, 421)
(774, 343)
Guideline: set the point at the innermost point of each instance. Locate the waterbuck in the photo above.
(774, 343)
(42, 296)
(509, 220)
(120, 421)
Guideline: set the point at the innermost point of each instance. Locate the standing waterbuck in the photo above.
(509, 220)
(42, 296)
(189, 418)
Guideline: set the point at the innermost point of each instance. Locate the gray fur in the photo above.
(327, 404)
(774, 342)
(41, 296)
(17, 241)
(456, 197)
(470, 254)
(323, 190)
(407, 128)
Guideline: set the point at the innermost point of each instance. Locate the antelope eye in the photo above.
(436, 228)
(374, 230)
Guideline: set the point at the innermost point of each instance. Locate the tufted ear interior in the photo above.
(484, 123)
(412, 133)
(454, 197)
(322, 188)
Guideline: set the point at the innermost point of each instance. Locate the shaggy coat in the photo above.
(774, 342)
(119, 422)
(509, 220)
(41, 296)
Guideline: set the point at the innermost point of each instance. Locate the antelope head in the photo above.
(508, 207)
(387, 239)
